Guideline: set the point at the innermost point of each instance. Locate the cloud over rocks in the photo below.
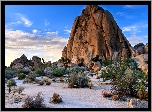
(30, 43)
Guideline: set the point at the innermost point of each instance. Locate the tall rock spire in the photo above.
(95, 32)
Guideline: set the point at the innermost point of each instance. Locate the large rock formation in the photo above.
(23, 62)
(141, 49)
(95, 32)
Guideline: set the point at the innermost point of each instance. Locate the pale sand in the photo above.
(72, 97)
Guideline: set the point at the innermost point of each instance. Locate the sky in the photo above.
(44, 30)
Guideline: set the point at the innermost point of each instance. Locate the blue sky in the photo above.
(43, 30)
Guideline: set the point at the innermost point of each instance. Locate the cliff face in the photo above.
(95, 32)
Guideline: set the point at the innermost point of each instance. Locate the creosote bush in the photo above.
(34, 102)
(21, 76)
(77, 79)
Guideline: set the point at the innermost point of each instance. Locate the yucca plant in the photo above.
(9, 83)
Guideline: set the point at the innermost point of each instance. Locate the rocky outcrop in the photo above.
(23, 62)
(95, 32)
(142, 61)
(20, 62)
(141, 49)
(36, 60)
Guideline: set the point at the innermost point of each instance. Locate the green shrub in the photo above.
(33, 75)
(10, 73)
(8, 76)
(107, 62)
(39, 71)
(126, 77)
(57, 72)
(21, 76)
(23, 71)
(77, 79)
(13, 83)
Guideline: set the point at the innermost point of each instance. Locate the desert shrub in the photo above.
(41, 83)
(56, 98)
(13, 83)
(34, 102)
(23, 71)
(39, 71)
(65, 61)
(57, 72)
(33, 75)
(106, 93)
(10, 73)
(9, 83)
(8, 76)
(115, 97)
(77, 79)
(125, 76)
(48, 83)
(142, 94)
(21, 76)
(107, 62)
(20, 89)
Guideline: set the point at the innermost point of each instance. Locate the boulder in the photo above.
(48, 70)
(97, 66)
(36, 60)
(141, 60)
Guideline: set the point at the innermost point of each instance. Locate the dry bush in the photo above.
(106, 93)
(48, 83)
(142, 94)
(56, 98)
(34, 102)
(115, 97)
(41, 83)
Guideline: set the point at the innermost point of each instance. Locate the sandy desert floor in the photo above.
(72, 97)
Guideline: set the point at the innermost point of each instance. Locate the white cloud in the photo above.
(129, 28)
(134, 40)
(34, 31)
(52, 33)
(13, 23)
(19, 42)
(135, 27)
(67, 31)
(130, 6)
(46, 22)
(25, 20)
(66, 26)
(120, 13)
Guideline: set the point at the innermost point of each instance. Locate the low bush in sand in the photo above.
(34, 102)
(56, 98)
(21, 76)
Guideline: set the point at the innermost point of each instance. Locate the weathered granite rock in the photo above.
(23, 62)
(141, 49)
(95, 32)
(20, 62)
(36, 60)
(141, 60)
(146, 48)
(48, 70)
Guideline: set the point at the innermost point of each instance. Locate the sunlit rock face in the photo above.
(95, 32)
